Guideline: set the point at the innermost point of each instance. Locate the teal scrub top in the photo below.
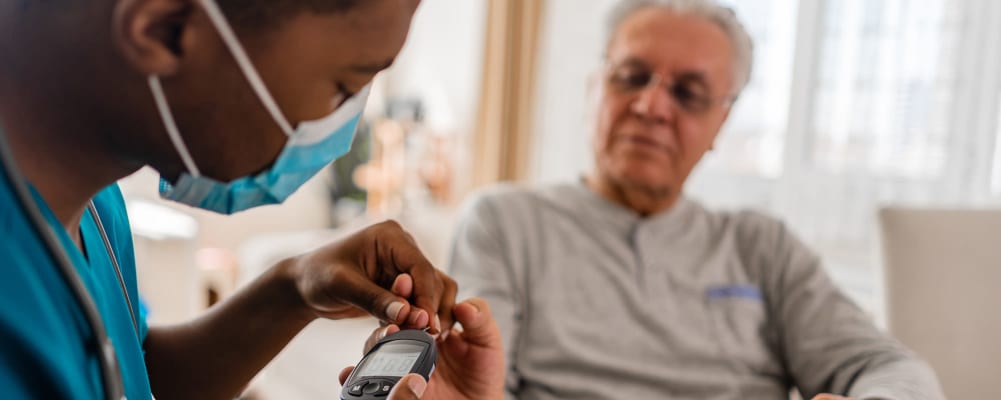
(47, 349)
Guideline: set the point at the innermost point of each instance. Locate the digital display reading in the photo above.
(392, 359)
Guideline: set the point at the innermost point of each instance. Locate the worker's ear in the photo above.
(152, 34)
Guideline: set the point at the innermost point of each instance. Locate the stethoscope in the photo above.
(111, 373)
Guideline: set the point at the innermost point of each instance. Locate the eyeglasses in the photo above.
(691, 92)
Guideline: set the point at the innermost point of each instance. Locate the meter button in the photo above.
(371, 387)
(384, 388)
(356, 389)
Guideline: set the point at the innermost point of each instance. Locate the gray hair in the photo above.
(724, 17)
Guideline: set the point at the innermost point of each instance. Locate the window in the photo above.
(752, 141)
(996, 171)
(858, 104)
(884, 87)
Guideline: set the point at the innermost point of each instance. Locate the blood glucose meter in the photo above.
(396, 355)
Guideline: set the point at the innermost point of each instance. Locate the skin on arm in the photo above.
(208, 358)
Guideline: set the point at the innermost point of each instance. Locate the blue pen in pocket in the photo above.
(733, 291)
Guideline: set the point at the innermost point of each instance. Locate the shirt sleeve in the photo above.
(830, 345)
(480, 264)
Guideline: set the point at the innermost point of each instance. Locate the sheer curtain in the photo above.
(885, 102)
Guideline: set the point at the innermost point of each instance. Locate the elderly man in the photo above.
(620, 287)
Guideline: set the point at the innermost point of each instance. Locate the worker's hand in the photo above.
(830, 397)
(352, 278)
(470, 360)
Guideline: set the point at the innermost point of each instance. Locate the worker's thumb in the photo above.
(410, 387)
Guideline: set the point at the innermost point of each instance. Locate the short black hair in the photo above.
(266, 12)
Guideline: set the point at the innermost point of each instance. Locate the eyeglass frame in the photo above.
(704, 103)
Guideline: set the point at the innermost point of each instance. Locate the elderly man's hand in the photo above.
(470, 360)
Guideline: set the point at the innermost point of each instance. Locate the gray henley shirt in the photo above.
(596, 302)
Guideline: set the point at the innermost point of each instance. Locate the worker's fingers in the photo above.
(345, 373)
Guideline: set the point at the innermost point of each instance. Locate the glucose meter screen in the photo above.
(392, 359)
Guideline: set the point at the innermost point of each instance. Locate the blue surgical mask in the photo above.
(310, 147)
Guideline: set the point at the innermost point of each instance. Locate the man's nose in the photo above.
(654, 104)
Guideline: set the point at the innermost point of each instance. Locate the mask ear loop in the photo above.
(249, 72)
(256, 83)
(171, 125)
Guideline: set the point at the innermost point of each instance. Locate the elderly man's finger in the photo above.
(478, 326)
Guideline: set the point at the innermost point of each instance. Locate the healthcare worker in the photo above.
(236, 103)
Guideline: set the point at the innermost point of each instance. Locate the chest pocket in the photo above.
(740, 321)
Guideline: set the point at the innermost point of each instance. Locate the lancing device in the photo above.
(396, 355)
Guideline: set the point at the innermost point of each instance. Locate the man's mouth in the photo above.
(647, 143)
